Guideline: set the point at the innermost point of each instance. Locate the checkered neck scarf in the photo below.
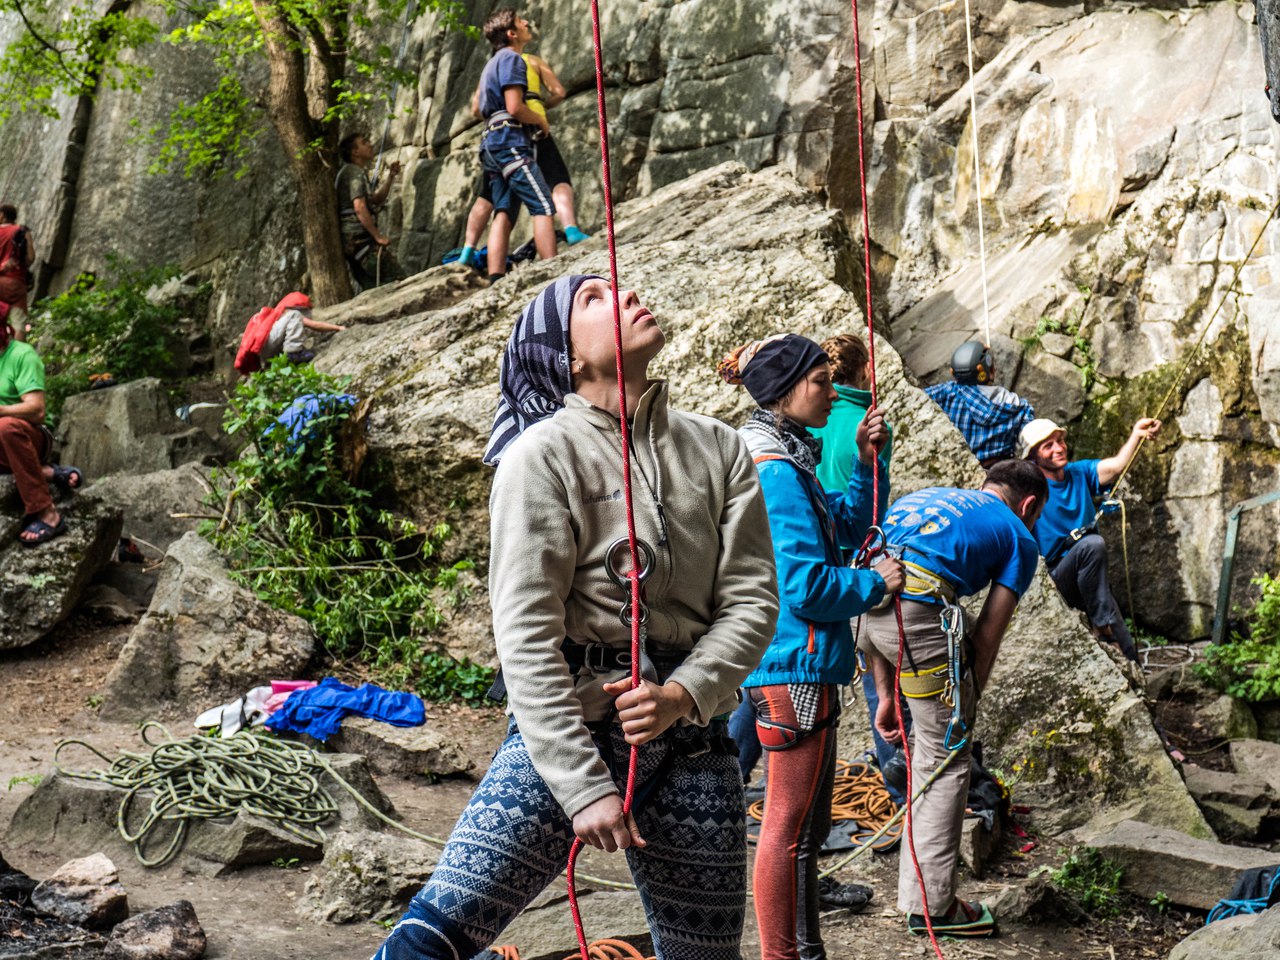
(801, 446)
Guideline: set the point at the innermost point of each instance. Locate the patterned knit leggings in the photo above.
(513, 839)
(797, 814)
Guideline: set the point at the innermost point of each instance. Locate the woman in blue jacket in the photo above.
(795, 689)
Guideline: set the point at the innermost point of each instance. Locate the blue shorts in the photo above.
(523, 182)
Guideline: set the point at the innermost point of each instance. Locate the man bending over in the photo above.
(953, 544)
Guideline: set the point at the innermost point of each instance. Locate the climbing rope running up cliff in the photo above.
(873, 546)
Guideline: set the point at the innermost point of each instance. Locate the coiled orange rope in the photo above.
(858, 795)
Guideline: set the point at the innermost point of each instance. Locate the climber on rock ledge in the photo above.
(1074, 552)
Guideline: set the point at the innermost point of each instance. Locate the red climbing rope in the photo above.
(634, 575)
(868, 550)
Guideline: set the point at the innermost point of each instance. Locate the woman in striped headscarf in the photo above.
(557, 508)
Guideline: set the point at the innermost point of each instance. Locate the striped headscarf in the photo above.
(534, 376)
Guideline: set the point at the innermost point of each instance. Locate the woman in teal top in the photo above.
(849, 377)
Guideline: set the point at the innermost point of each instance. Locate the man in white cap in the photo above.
(1069, 541)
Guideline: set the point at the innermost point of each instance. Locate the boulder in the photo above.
(86, 892)
(1231, 822)
(65, 814)
(149, 501)
(432, 289)
(1227, 718)
(977, 844)
(172, 932)
(1246, 937)
(204, 640)
(40, 586)
(404, 751)
(767, 250)
(367, 876)
(1267, 714)
(1189, 871)
(128, 428)
(1258, 760)
(1242, 790)
(1035, 901)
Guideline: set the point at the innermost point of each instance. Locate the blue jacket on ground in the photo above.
(818, 592)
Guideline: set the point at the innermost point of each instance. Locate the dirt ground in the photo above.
(47, 692)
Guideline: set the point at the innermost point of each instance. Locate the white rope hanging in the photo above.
(977, 173)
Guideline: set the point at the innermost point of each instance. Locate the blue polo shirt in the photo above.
(505, 68)
(1070, 503)
(970, 538)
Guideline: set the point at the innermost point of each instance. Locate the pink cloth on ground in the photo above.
(280, 690)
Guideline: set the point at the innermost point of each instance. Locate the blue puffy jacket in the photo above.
(818, 592)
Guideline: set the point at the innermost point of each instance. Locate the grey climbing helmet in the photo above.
(971, 363)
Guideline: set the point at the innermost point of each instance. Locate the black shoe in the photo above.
(895, 774)
(843, 896)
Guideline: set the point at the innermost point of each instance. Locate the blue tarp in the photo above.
(296, 418)
(319, 712)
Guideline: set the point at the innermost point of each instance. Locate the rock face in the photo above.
(127, 429)
(203, 641)
(367, 876)
(168, 933)
(1235, 938)
(40, 586)
(770, 258)
(85, 892)
(1117, 214)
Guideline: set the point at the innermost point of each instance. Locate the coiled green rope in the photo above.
(202, 778)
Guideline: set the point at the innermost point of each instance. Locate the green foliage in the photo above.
(30, 779)
(1161, 902)
(286, 863)
(1248, 666)
(308, 539)
(68, 50)
(1070, 326)
(1145, 637)
(1091, 880)
(93, 701)
(104, 324)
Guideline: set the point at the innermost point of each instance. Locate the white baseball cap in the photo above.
(1035, 433)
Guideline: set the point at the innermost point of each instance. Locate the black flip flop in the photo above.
(62, 477)
(44, 532)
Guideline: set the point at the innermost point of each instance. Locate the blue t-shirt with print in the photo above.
(1070, 503)
(506, 68)
(970, 538)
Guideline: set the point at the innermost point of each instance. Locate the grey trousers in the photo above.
(936, 817)
(1081, 576)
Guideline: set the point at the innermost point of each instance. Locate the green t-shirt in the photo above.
(352, 184)
(21, 372)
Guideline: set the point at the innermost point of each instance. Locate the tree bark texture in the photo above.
(287, 107)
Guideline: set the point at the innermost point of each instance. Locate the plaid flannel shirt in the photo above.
(990, 428)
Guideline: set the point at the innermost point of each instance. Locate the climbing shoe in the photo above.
(895, 774)
(835, 895)
(573, 235)
(964, 920)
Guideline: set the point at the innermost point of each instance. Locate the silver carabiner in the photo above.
(647, 559)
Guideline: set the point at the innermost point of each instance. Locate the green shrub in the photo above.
(103, 324)
(1249, 666)
(307, 537)
(1091, 880)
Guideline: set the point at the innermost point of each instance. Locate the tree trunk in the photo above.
(317, 198)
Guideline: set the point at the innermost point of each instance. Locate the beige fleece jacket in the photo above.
(557, 505)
